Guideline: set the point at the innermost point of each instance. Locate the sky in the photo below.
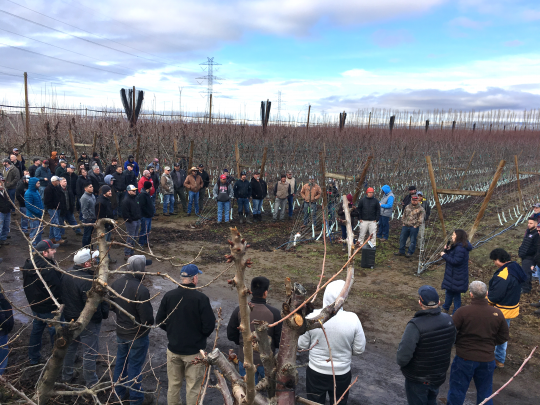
(335, 56)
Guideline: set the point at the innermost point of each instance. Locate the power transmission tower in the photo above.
(208, 66)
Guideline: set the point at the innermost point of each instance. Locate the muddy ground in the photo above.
(385, 298)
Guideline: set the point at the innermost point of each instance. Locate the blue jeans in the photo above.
(449, 297)
(259, 374)
(257, 205)
(500, 350)
(146, 226)
(87, 233)
(290, 199)
(54, 232)
(406, 232)
(310, 208)
(193, 199)
(11, 194)
(243, 205)
(132, 229)
(168, 202)
(384, 227)
(41, 191)
(89, 338)
(24, 220)
(462, 372)
(4, 352)
(153, 198)
(130, 357)
(223, 209)
(35, 228)
(70, 219)
(5, 220)
(34, 347)
(420, 394)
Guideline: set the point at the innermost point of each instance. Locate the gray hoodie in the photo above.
(344, 332)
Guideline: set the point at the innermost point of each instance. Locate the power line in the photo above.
(209, 77)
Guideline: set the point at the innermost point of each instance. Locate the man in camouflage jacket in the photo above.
(413, 217)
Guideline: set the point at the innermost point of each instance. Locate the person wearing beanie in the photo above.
(131, 212)
(242, 193)
(109, 181)
(311, 192)
(53, 161)
(282, 190)
(346, 337)
(54, 201)
(259, 190)
(34, 208)
(179, 177)
(135, 165)
(193, 184)
(36, 164)
(154, 178)
(133, 339)
(111, 169)
(85, 160)
(206, 182)
(43, 174)
(223, 194)
(413, 217)
(104, 210)
(387, 204)
(407, 199)
(369, 210)
(120, 186)
(67, 208)
(425, 349)
(260, 311)
(167, 189)
(61, 169)
(341, 219)
(186, 315)
(22, 186)
(75, 287)
(527, 251)
(147, 212)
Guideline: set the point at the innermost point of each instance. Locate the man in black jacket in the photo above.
(147, 212)
(5, 213)
(67, 208)
(32, 169)
(242, 193)
(369, 210)
(131, 177)
(52, 200)
(104, 209)
(84, 159)
(111, 169)
(71, 178)
(187, 317)
(7, 322)
(527, 251)
(131, 212)
(120, 187)
(259, 190)
(38, 297)
(179, 177)
(407, 199)
(132, 338)
(75, 289)
(97, 179)
(260, 311)
(206, 182)
(425, 348)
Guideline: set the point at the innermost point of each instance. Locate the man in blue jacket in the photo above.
(43, 174)
(131, 160)
(387, 202)
(34, 208)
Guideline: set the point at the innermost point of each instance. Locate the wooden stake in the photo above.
(190, 155)
(491, 189)
(308, 114)
(466, 170)
(27, 125)
(263, 161)
(117, 148)
(518, 182)
(94, 143)
(237, 155)
(410, 122)
(73, 144)
(175, 149)
(361, 179)
(461, 192)
(323, 179)
(369, 123)
(435, 195)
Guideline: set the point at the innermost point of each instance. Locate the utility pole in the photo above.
(27, 126)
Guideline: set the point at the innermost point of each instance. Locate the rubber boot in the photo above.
(248, 220)
(241, 218)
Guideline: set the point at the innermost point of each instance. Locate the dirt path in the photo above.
(384, 298)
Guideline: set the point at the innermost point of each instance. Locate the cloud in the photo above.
(513, 43)
(251, 82)
(465, 22)
(429, 99)
(288, 82)
(531, 15)
(389, 39)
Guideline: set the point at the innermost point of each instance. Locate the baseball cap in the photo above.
(428, 295)
(193, 168)
(55, 178)
(223, 177)
(415, 198)
(166, 168)
(201, 165)
(537, 205)
(131, 187)
(190, 270)
(177, 164)
(411, 188)
(62, 153)
(45, 244)
(256, 172)
(62, 161)
(419, 193)
(156, 160)
(15, 149)
(45, 162)
(311, 176)
(370, 190)
(225, 170)
(243, 173)
(71, 167)
(82, 256)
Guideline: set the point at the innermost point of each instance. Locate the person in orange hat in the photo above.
(370, 211)
(53, 161)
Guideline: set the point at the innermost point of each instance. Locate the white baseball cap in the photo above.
(82, 256)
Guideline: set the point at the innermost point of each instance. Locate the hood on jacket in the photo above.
(516, 270)
(386, 189)
(469, 247)
(108, 179)
(32, 183)
(131, 157)
(137, 263)
(332, 291)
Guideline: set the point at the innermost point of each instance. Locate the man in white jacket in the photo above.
(346, 338)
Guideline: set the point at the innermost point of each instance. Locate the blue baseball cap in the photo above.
(428, 295)
(190, 270)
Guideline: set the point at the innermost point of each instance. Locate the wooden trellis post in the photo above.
(323, 179)
(73, 143)
(94, 143)
(435, 194)
(263, 163)
(485, 203)
(117, 148)
(362, 179)
(190, 155)
(308, 114)
(237, 156)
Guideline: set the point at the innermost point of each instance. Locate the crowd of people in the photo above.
(479, 331)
